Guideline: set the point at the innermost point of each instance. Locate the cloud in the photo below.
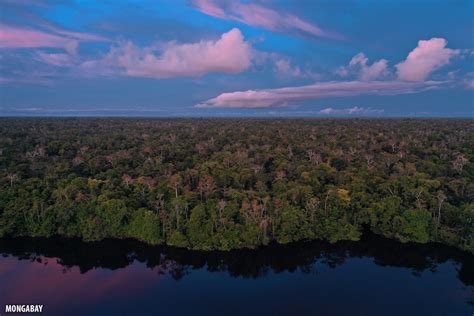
(427, 57)
(229, 54)
(282, 97)
(15, 37)
(469, 84)
(284, 67)
(12, 37)
(350, 111)
(359, 65)
(259, 16)
(56, 59)
(86, 37)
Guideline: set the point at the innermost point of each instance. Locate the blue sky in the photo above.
(237, 58)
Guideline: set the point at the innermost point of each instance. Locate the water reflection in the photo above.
(115, 254)
(73, 277)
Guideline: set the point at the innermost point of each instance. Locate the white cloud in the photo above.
(350, 111)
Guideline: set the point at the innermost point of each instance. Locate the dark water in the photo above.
(372, 277)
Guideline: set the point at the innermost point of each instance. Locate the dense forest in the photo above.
(238, 183)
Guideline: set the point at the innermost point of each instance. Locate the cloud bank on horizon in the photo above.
(203, 55)
(282, 97)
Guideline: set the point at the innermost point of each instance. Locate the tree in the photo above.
(114, 215)
(145, 225)
(175, 181)
(459, 162)
(206, 186)
(12, 177)
(127, 180)
(441, 198)
(199, 229)
(247, 183)
(415, 226)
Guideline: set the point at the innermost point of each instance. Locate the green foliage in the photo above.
(230, 238)
(145, 225)
(93, 229)
(251, 236)
(114, 215)
(469, 245)
(291, 225)
(177, 239)
(226, 184)
(199, 229)
(383, 214)
(415, 226)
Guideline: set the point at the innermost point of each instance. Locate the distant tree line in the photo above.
(238, 183)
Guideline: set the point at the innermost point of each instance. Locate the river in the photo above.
(374, 276)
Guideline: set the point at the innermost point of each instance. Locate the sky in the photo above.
(391, 58)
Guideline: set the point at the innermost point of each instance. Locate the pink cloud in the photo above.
(12, 37)
(427, 57)
(284, 67)
(210, 8)
(259, 16)
(15, 37)
(469, 84)
(59, 59)
(282, 97)
(86, 37)
(359, 65)
(229, 54)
